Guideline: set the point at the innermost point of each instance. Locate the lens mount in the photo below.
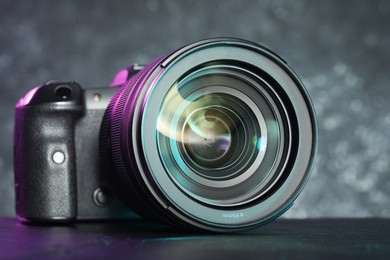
(219, 135)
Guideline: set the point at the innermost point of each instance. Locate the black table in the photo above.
(282, 239)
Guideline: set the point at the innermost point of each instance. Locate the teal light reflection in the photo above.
(261, 144)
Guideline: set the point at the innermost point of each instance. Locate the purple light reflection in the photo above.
(120, 78)
(27, 98)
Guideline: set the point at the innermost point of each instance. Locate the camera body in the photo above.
(59, 175)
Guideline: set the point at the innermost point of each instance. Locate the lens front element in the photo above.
(214, 129)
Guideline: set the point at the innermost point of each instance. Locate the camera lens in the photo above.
(219, 135)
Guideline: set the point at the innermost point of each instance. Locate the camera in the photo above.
(219, 135)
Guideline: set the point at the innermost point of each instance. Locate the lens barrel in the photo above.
(219, 135)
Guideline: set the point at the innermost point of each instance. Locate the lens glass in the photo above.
(214, 133)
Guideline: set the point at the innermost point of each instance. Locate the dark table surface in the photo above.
(282, 239)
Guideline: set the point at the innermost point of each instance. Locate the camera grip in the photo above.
(44, 157)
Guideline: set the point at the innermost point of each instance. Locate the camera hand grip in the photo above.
(44, 156)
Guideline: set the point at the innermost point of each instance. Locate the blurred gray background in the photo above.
(339, 48)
